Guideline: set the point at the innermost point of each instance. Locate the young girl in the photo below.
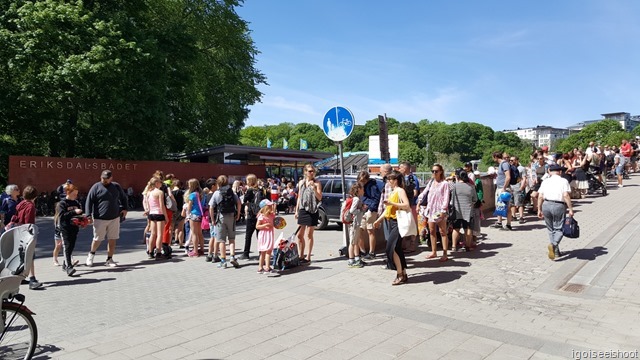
(356, 211)
(193, 199)
(157, 218)
(66, 210)
(265, 236)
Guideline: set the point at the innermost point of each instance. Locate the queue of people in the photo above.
(446, 209)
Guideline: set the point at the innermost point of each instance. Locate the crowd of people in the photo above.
(447, 209)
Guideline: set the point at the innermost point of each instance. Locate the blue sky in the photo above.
(505, 64)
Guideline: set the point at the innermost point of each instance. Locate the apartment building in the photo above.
(540, 135)
(626, 120)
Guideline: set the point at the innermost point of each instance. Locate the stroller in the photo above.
(595, 184)
(283, 204)
(285, 252)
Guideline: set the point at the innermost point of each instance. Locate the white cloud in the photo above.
(280, 102)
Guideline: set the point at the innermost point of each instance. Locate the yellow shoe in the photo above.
(552, 254)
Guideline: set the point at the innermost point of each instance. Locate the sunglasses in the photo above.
(311, 171)
(435, 171)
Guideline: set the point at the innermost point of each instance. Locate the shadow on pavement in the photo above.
(584, 254)
(492, 246)
(529, 226)
(438, 277)
(43, 352)
(434, 263)
(94, 270)
(75, 281)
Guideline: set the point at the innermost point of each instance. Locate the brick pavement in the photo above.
(503, 301)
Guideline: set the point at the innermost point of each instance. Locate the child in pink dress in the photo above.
(265, 236)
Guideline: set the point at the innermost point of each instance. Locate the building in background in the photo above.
(626, 120)
(540, 135)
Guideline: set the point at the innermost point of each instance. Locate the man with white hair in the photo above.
(553, 202)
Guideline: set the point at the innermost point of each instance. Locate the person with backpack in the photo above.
(351, 215)
(503, 184)
(370, 200)
(211, 185)
(226, 205)
(252, 199)
(518, 181)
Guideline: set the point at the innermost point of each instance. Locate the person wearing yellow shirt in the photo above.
(397, 200)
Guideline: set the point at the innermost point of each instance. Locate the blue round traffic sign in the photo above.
(338, 123)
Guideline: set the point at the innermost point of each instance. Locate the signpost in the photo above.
(338, 124)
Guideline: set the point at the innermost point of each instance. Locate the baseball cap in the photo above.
(264, 203)
(545, 148)
(106, 174)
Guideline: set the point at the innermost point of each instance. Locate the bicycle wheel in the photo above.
(20, 336)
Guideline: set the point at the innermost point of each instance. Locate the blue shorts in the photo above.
(619, 169)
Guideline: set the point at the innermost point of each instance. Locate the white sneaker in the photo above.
(90, 260)
(110, 263)
(620, 185)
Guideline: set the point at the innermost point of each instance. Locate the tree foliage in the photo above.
(454, 143)
(123, 78)
(605, 132)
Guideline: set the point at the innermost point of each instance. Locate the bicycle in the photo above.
(18, 330)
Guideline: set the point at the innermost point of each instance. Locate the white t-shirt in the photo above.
(620, 158)
(554, 188)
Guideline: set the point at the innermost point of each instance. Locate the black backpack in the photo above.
(515, 174)
(409, 187)
(610, 160)
(228, 203)
(253, 205)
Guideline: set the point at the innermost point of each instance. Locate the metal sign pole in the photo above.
(345, 235)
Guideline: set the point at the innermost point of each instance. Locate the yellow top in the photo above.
(390, 211)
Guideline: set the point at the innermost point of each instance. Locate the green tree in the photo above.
(409, 151)
(124, 79)
(599, 132)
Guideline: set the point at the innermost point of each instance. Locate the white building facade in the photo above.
(540, 135)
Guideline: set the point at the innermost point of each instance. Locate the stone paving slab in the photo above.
(502, 301)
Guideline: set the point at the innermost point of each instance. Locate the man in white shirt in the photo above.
(553, 201)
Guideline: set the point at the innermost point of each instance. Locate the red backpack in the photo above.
(345, 215)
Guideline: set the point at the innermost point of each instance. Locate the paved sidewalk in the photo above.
(506, 300)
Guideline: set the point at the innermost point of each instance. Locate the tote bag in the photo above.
(406, 223)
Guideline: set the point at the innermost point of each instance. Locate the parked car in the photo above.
(332, 197)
